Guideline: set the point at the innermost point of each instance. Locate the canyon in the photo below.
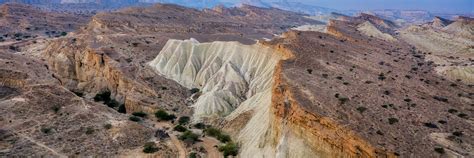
(279, 83)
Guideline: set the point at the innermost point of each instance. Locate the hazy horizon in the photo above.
(435, 6)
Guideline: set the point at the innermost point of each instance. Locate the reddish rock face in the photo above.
(382, 97)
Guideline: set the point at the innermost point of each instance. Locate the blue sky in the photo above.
(452, 6)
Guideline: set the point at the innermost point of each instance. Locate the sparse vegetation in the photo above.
(217, 133)
(189, 137)
(183, 120)
(229, 149)
(150, 147)
(163, 115)
(180, 128)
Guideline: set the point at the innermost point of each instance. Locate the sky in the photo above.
(450, 6)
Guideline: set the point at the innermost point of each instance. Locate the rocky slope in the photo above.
(19, 21)
(367, 98)
(450, 47)
(349, 92)
(41, 118)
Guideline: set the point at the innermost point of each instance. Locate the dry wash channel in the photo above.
(235, 81)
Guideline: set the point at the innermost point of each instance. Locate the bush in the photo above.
(200, 125)
(194, 90)
(361, 109)
(189, 136)
(392, 120)
(430, 125)
(216, 133)
(183, 120)
(192, 155)
(229, 149)
(150, 147)
(108, 126)
(439, 150)
(56, 108)
(46, 130)
(224, 138)
(343, 100)
(139, 114)
(213, 132)
(89, 130)
(102, 96)
(121, 109)
(63, 33)
(134, 119)
(112, 103)
(180, 128)
(163, 115)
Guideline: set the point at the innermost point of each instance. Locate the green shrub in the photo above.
(229, 149)
(150, 147)
(194, 90)
(102, 96)
(216, 133)
(189, 136)
(134, 119)
(192, 155)
(180, 128)
(112, 103)
(163, 115)
(200, 125)
(139, 114)
(121, 109)
(63, 33)
(224, 138)
(213, 132)
(439, 150)
(183, 120)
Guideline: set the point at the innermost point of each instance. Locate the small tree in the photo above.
(163, 115)
(139, 114)
(189, 136)
(229, 149)
(134, 119)
(150, 147)
(183, 120)
(121, 109)
(180, 128)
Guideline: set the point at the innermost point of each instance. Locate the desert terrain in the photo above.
(171, 81)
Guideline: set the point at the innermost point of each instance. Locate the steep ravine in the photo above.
(242, 84)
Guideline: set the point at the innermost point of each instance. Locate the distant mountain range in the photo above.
(401, 17)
